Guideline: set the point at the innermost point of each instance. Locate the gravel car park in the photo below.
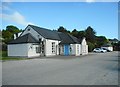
(93, 69)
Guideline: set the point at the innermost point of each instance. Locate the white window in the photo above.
(28, 29)
(42, 47)
(77, 49)
(53, 47)
(84, 48)
(37, 49)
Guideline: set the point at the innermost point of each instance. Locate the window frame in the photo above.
(53, 47)
(38, 49)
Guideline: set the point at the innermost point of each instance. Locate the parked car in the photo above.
(106, 49)
(99, 50)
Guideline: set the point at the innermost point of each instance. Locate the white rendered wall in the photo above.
(48, 47)
(61, 49)
(84, 47)
(23, 50)
(33, 32)
(109, 48)
(75, 49)
(83, 42)
(32, 50)
(18, 50)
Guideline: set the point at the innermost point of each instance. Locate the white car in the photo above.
(99, 50)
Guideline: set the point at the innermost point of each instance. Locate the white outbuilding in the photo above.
(108, 47)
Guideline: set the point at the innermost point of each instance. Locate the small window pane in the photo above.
(28, 29)
(53, 47)
(37, 49)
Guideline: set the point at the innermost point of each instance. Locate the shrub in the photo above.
(91, 46)
(4, 47)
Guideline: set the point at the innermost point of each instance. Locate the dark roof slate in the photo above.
(54, 35)
(74, 39)
(67, 39)
(46, 33)
(27, 38)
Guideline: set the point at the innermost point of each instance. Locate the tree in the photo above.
(0, 34)
(90, 34)
(12, 29)
(91, 46)
(116, 46)
(101, 40)
(7, 36)
(9, 32)
(75, 33)
(81, 34)
(62, 29)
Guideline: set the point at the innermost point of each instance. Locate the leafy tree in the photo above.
(9, 32)
(62, 29)
(12, 29)
(91, 46)
(90, 34)
(81, 34)
(0, 34)
(78, 34)
(7, 36)
(116, 46)
(101, 40)
(75, 33)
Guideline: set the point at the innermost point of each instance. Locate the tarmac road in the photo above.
(93, 69)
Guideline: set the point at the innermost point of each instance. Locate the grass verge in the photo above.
(3, 56)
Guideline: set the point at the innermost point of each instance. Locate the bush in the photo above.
(4, 47)
(4, 53)
(91, 46)
(0, 46)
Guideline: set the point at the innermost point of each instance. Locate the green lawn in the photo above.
(3, 56)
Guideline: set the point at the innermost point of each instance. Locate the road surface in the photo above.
(93, 69)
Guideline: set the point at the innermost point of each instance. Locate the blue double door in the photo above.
(66, 49)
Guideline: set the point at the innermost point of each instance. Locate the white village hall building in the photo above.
(35, 41)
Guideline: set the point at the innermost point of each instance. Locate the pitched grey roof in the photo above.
(46, 33)
(67, 39)
(49, 34)
(75, 39)
(27, 38)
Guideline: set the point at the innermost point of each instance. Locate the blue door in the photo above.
(66, 49)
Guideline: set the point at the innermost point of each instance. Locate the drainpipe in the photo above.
(40, 45)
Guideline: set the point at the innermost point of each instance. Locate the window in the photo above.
(28, 29)
(53, 47)
(37, 49)
(77, 49)
(42, 48)
(84, 48)
(70, 49)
